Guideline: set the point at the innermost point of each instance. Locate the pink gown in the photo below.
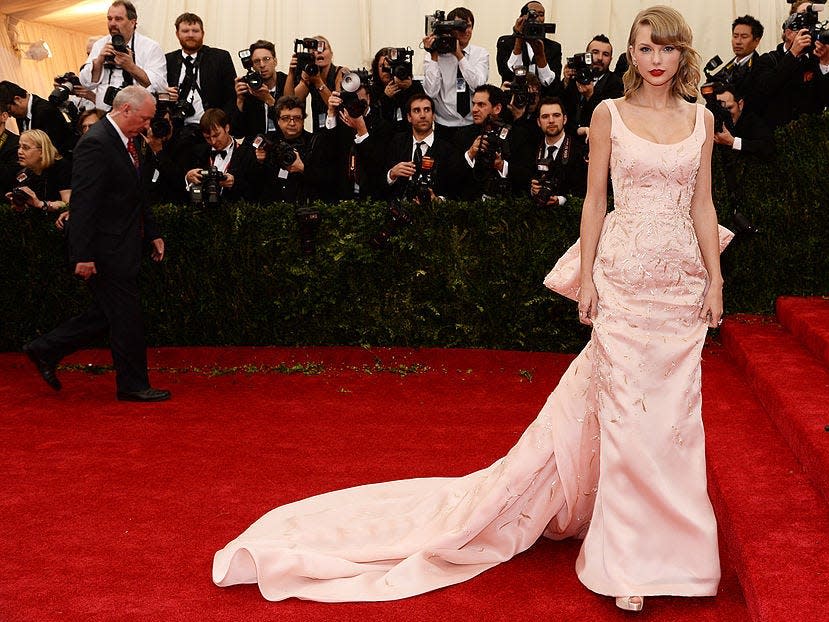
(640, 503)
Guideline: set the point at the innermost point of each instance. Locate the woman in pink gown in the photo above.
(647, 278)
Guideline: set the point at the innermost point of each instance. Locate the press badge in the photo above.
(321, 119)
(282, 174)
(461, 85)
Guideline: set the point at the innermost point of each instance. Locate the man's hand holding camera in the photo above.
(263, 94)
(357, 124)
(31, 199)
(801, 43)
(481, 144)
(724, 137)
(535, 188)
(122, 60)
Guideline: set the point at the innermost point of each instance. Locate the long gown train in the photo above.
(640, 503)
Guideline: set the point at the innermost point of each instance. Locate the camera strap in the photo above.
(3, 138)
(565, 150)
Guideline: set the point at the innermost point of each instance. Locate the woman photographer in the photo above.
(327, 79)
(390, 91)
(44, 183)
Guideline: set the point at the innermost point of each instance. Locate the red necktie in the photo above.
(133, 153)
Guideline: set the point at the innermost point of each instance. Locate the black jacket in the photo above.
(445, 170)
(580, 111)
(783, 87)
(109, 212)
(46, 117)
(243, 166)
(251, 120)
(570, 176)
(552, 50)
(8, 161)
(216, 76)
(518, 151)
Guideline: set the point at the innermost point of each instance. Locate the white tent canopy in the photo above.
(356, 28)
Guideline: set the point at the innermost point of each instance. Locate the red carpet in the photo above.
(112, 511)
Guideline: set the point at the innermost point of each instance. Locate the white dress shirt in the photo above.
(147, 55)
(440, 81)
(546, 75)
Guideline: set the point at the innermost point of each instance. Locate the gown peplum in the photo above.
(616, 456)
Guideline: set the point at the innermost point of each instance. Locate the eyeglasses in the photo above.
(290, 118)
(262, 61)
(24, 147)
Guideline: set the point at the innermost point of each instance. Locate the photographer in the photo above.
(35, 113)
(420, 161)
(254, 112)
(200, 77)
(166, 158)
(291, 166)
(449, 78)
(122, 58)
(8, 155)
(541, 57)
(45, 181)
(561, 168)
(522, 104)
(746, 33)
(750, 136)
(586, 87)
(498, 156)
(356, 135)
(234, 165)
(320, 82)
(791, 80)
(392, 85)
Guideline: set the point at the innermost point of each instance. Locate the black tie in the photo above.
(218, 152)
(189, 82)
(418, 155)
(463, 97)
(551, 152)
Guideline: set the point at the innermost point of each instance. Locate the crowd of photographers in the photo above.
(379, 132)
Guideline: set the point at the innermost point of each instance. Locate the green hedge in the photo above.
(463, 275)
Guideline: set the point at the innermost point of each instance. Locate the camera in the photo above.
(494, 135)
(534, 28)
(400, 63)
(350, 85)
(209, 191)
(110, 93)
(808, 19)
(308, 221)
(547, 179)
(419, 189)
(252, 78)
(444, 32)
(397, 218)
(519, 89)
(120, 45)
(64, 86)
(282, 153)
(583, 64)
(722, 118)
(19, 196)
(306, 56)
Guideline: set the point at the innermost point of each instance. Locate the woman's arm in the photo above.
(704, 218)
(594, 210)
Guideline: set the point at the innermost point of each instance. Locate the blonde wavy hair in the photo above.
(668, 27)
(48, 153)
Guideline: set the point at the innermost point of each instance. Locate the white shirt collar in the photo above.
(123, 136)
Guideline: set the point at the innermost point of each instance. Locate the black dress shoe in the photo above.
(147, 395)
(46, 370)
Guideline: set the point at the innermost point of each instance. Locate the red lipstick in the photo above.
(656, 72)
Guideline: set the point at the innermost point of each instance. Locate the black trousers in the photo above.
(115, 306)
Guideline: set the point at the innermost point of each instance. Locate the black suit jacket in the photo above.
(757, 137)
(519, 153)
(579, 112)
(8, 161)
(216, 76)
(46, 117)
(445, 170)
(109, 211)
(570, 176)
(783, 87)
(552, 50)
(250, 120)
(243, 166)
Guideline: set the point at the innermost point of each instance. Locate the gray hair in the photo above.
(133, 95)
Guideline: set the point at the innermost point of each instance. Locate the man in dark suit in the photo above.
(498, 157)
(255, 109)
(412, 155)
(746, 33)
(563, 157)
(199, 74)
(358, 144)
(8, 156)
(541, 57)
(35, 113)
(790, 81)
(582, 93)
(750, 136)
(109, 219)
(219, 149)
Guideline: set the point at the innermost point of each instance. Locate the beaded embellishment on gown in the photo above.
(640, 503)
